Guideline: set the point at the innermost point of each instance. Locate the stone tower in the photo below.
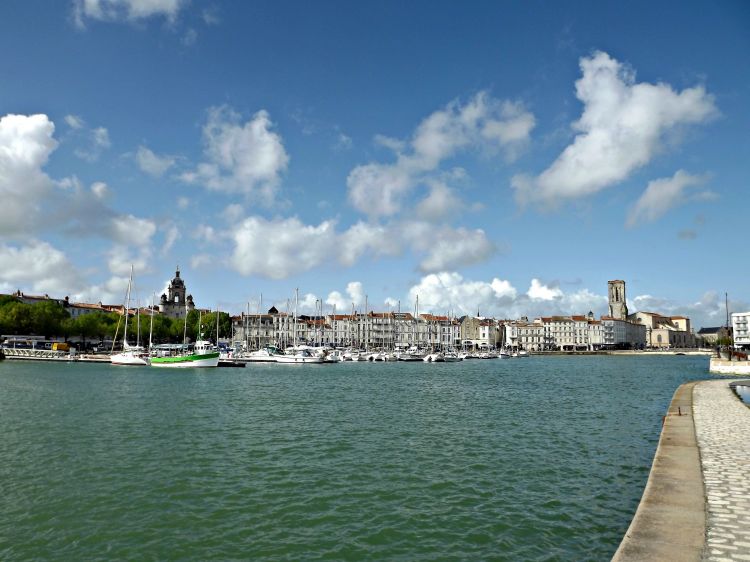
(617, 305)
(176, 302)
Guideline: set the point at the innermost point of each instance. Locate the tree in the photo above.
(15, 318)
(47, 318)
(209, 325)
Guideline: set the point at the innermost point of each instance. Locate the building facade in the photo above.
(176, 303)
(740, 329)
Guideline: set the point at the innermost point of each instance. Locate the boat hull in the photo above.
(187, 361)
(293, 359)
(129, 359)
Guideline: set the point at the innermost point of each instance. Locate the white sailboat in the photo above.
(133, 355)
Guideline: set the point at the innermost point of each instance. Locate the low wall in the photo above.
(726, 367)
(670, 522)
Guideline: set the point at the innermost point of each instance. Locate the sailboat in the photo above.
(203, 354)
(131, 354)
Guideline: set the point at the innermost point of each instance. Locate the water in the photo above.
(542, 458)
(743, 391)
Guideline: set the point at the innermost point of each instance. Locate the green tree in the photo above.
(87, 326)
(47, 318)
(15, 318)
(209, 325)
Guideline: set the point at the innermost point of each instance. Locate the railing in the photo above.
(35, 353)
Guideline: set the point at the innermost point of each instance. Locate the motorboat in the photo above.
(300, 356)
(267, 354)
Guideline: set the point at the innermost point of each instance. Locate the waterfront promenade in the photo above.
(696, 505)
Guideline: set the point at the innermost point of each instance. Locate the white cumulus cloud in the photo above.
(355, 296)
(664, 194)
(153, 164)
(280, 248)
(483, 123)
(540, 291)
(26, 142)
(449, 291)
(124, 10)
(246, 158)
(40, 266)
(622, 128)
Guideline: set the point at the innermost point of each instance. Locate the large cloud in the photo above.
(278, 249)
(26, 141)
(663, 194)
(483, 123)
(241, 157)
(622, 127)
(282, 247)
(38, 266)
(441, 292)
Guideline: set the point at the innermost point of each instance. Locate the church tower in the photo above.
(617, 305)
(176, 303)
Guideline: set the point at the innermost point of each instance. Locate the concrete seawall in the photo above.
(726, 367)
(670, 522)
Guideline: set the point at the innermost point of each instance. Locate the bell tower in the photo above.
(176, 303)
(617, 304)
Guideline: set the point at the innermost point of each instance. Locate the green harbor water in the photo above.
(542, 458)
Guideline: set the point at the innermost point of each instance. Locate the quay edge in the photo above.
(670, 522)
(726, 367)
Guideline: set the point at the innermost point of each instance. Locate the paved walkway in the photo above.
(722, 427)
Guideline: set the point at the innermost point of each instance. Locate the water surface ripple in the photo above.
(542, 458)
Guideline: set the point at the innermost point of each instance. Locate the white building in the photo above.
(623, 334)
(740, 329)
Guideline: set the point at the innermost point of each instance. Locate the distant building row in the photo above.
(618, 330)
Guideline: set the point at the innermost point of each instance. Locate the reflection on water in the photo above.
(743, 392)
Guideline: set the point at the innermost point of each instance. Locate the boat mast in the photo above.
(127, 309)
(151, 327)
(296, 303)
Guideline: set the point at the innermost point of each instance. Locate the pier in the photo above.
(696, 504)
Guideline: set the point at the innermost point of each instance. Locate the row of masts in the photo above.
(286, 328)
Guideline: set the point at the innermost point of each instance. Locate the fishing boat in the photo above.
(203, 355)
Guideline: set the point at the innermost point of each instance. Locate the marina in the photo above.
(541, 457)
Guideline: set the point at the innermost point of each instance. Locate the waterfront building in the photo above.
(480, 333)
(622, 334)
(530, 335)
(710, 336)
(176, 303)
(565, 333)
(740, 328)
(665, 332)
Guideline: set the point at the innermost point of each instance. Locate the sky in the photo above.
(504, 159)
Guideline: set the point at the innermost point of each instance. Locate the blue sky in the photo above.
(506, 158)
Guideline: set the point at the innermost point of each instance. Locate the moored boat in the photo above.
(300, 357)
(203, 356)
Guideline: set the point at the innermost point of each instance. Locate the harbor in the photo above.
(529, 458)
